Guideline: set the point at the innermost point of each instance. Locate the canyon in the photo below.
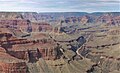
(70, 42)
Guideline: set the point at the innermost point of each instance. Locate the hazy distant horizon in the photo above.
(59, 12)
(39, 6)
(52, 12)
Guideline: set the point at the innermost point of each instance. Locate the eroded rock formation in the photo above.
(15, 52)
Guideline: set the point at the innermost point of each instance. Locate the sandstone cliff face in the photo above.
(20, 54)
(26, 25)
(16, 52)
(13, 67)
(84, 20)
(109, 19)
(47, 54)
(10, 64)
(18, 48)
(33, 49)
(41, 27)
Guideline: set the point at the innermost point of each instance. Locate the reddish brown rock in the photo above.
(13, 67)
(2, 50)
(48, 51)
(26, 25)
(9, 64)
(84, 20)
(41, 27)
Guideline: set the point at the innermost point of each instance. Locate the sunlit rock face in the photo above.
(107, 18)
(45, 43)
(26, 25)
(16, 52)
(13, 67)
